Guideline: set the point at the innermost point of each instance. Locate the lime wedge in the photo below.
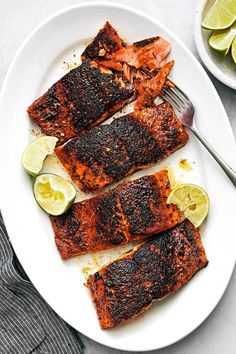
(221, 15)
(233, 50)
(222, 40)
(36, 152)
(54, 193)
(192, 200)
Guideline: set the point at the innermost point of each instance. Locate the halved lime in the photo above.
(54, 193)
(192, 200)
(36, 152)
(221, 15)
(233, 50)
(222, 40)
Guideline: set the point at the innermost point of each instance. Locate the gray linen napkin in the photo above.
(27, 323)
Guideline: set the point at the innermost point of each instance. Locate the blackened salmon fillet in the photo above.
(81, 99)
(132, 211)
(108, 153)
(153, 270)
(100, 86)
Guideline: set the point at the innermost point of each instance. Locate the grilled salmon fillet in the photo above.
(81, 99)
(132, 211)
(153, 270)
(108, 153)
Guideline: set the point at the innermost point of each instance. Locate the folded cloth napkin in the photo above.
(27, 323)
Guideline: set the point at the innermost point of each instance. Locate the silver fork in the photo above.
(185, 112)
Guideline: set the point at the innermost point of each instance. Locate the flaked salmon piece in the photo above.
(106, 42)
(128, 72)
(81, 99)
(109, 50)
(148, 90)
(108, 153)
(111, 64)
(149, 53)
(153, 270)
(132, 211)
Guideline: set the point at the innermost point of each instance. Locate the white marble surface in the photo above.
(17, 19)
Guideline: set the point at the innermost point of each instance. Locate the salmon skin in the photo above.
(108, 153)
(153, 270)
(82, 98)
(132, 211)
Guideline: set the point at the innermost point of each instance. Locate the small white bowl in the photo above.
(222, 67)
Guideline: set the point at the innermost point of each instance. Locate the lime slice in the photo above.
(221, 15)
(222, 40)
(36, 152)
(233, 50)
(53, 193)
(192, 200)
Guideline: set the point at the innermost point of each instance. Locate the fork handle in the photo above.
(228, 170)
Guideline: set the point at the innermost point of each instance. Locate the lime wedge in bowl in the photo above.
(192, 200)
(233, 50)
(36, 152)
(54, 193)
(221, 15)
(222, 40)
